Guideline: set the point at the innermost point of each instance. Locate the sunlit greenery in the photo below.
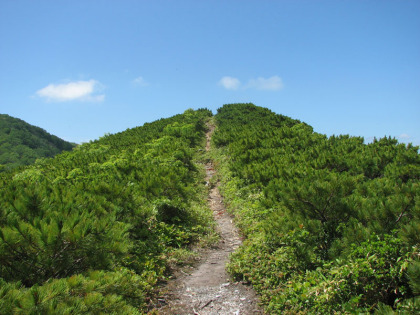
(332, 224)
(94, 229)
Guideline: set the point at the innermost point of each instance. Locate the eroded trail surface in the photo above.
(208, 288)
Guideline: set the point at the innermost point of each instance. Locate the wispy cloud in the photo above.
(140, 81)
(230, 83)
(273, 83)
(404, 136)
(72, 91)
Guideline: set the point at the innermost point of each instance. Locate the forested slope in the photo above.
(94, 229)
(22, 143)
(332, 224)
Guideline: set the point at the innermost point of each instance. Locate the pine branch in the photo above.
(403, 212)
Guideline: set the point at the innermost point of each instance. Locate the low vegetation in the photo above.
(332, 224)
(94, 229)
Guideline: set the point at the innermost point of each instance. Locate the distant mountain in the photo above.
(22, 143)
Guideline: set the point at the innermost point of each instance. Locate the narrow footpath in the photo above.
(208, 289)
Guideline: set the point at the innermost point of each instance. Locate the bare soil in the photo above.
(207, 288)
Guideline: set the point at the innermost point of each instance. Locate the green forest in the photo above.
(331, 224)
(21, 143)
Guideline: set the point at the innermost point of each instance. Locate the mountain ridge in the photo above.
(22, 143)
(330, 224)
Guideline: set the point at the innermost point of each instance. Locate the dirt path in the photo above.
(208, 288)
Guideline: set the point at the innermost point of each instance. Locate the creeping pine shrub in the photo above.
(332, 223)
(120, 205)
(375, 271)
(99, 292)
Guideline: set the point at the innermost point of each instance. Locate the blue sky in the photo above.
(80, 69)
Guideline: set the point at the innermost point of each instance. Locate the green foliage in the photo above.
(94, 229)
(98, 292)
(21, 143)
(332, 223)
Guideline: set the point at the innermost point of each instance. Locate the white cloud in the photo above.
(230, 83)
(72, 91)
(140, 81)
(273, 83)
(404, 136)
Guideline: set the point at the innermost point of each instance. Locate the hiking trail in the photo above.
(208, 288)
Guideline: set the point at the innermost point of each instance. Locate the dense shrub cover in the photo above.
(332, 224)
(21, 143)
(92, 230)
